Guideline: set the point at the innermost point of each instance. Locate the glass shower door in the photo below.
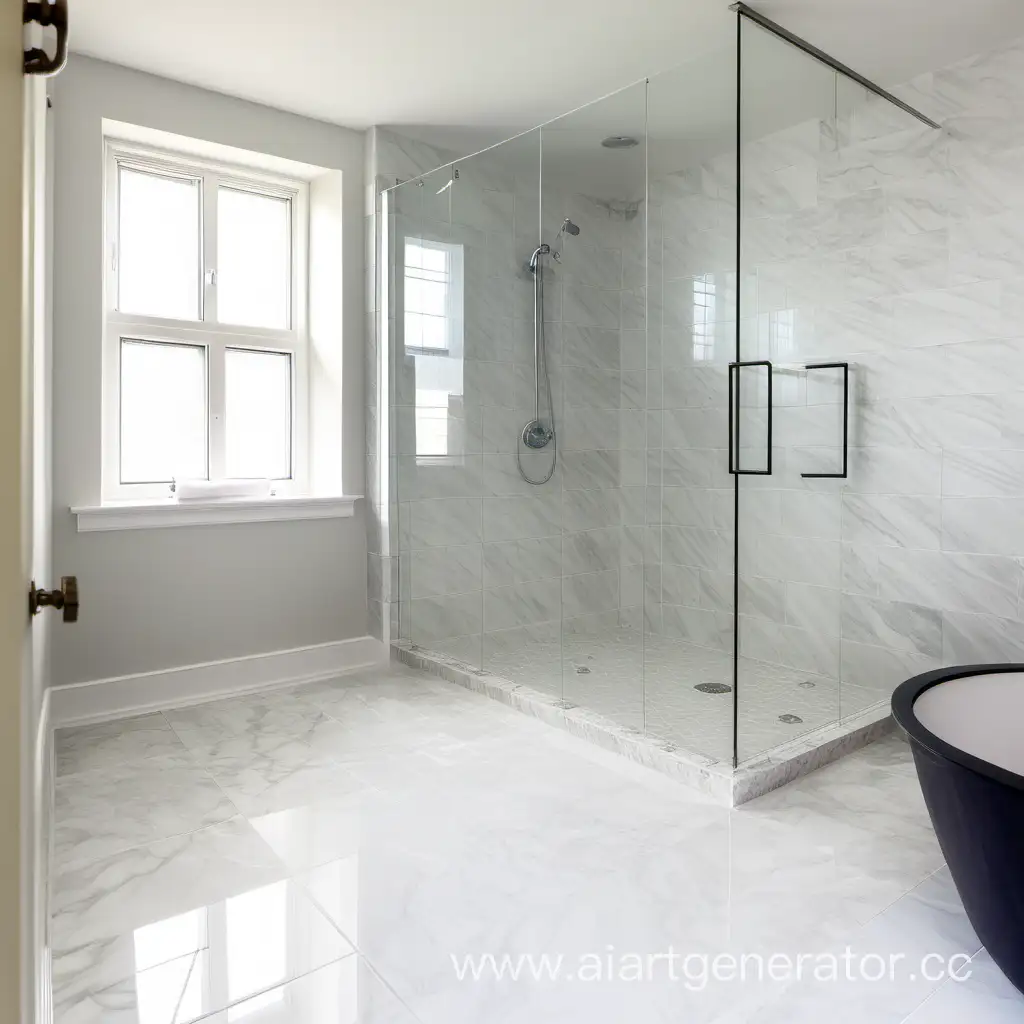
(817, 261)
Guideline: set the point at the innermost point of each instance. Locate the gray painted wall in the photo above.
(154, 599)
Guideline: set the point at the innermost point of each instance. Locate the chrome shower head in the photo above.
(569, 228)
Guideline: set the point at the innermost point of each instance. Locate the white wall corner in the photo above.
(100, 700)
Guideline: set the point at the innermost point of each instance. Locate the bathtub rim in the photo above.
(905, 696)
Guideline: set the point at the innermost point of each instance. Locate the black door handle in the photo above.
(734, 433)
(845, 367)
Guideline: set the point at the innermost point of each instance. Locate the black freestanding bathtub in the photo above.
(966, 730)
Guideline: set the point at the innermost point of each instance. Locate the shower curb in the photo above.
(715, 779)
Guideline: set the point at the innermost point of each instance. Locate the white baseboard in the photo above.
(101, 700)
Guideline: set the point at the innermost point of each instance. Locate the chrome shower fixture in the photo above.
(568, 228)
(620, 142)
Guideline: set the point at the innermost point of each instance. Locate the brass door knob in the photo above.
(66, 599)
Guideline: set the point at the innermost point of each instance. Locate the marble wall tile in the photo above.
(811, 515)
(591, 509)
(698, 626)
(970, 639)
(813, 608)
(791, 646)
(883, 470)
(983, 474)
(592, 550)
(434, 618)
(894, 624)
(521, 561)
(685, 506)
(983, 525)
(591, 346)
(877, 671)
(815, 562)
(590, 429)
(589, 593)
(590, 307)
(452, 570)
(517, 518)
(521, 604)
(588, 470)
(695, 547)
(949, 581)
(859, 569)
(896, 520)
(681, 585)
(443, 522)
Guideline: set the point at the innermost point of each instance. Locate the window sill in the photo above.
(162, 514)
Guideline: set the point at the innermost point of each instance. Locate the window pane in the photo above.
(258, 414)
(159, 261)
(253, 259)
(163, 412)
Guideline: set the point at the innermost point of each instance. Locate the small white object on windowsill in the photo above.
(217, 490)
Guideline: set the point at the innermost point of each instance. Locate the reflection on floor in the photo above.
(320, 856)
(622, 673)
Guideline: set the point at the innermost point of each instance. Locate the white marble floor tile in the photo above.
(117, 894)
(107, 810)
(313, 833)
(125, 741)
(263, 714)
(415, 821)
(929, 922)
(262, 774)
(243, 945)
(984, 996)
(346, 992)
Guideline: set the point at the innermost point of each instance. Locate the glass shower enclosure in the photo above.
(630, 402)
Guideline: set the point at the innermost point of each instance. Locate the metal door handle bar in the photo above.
(845, 367)
(734, 432)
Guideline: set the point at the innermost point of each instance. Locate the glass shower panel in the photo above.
(689, 534)
(496, 216)
(897, 585)
(813, 235)
(593, 218)
(437, 479)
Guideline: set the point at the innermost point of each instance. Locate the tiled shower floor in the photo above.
(647, 682)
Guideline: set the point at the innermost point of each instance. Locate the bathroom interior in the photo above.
(691, 399)
(682, 431)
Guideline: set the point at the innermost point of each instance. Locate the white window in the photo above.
(205, 363)
(704, 316)
(433, 315)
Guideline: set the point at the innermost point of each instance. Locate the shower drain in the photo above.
(807, 684)
(790, 719)
(713, 688)
(582, 670)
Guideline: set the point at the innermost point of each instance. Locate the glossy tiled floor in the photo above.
(319, 856)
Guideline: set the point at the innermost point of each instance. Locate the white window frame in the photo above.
(216, 337)
(454, 291)
(455, 315)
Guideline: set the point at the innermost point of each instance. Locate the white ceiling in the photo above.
(490, 66)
